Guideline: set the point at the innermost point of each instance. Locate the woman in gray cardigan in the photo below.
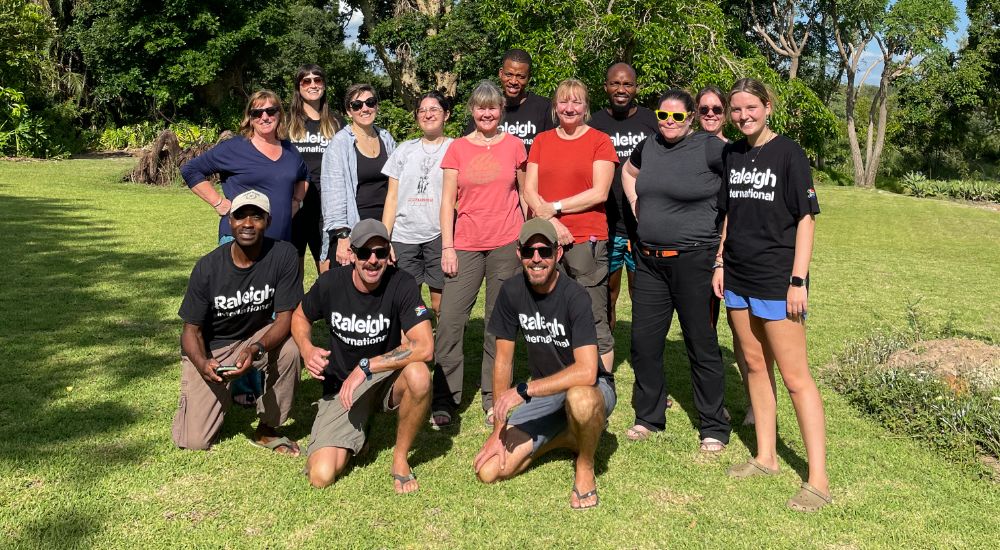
(352, 185)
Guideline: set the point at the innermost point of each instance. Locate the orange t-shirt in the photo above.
(565, 168)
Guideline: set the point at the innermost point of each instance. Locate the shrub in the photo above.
(917, 185)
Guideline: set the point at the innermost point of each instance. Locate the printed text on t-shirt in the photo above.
(357, 331)
(755, 180)
(243, 302)
(532, 324)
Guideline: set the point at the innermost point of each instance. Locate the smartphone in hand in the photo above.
(222, 369)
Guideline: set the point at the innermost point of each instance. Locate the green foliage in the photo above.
(143, 134)
(25, 35)
(973, 190)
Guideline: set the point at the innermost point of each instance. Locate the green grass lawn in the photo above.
(93, 271)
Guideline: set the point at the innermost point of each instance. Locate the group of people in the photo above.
(549, 204)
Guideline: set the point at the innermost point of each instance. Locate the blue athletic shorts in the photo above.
(772, 310)
(619, 254)
(544, 418)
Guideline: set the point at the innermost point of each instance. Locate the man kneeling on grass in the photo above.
(236, 312)
(367, 306)
(571, 394)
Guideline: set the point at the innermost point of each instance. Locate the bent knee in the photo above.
(583, 402)
(490, 472)
(417, 378)
(322, 475)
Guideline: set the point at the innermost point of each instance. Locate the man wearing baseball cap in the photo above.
(237, 312)
(567, 401)
(367, 305)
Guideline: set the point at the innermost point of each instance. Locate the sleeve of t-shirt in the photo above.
(723, 199)
(713, 155)
(196, 304)
(521, 154)
(800, 194)
(200, 168)
(314, 303)
(503, 320)
(412, 310)
(394, 164)
(604, 149)
(288, 288)
(581, 320)
(636, 158)
(451, 159)
(536, 149)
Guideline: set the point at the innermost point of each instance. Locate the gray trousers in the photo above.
(587, 264)
(203, 406)
(457, 299)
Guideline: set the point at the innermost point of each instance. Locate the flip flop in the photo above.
(489, 418)
(750, 468)
(638, 432)
(403, 480)
(277, 443)
(711, 446)
(588, 494)
(435, 425)
(808, 499)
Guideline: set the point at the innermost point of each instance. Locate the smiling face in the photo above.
(514, 78)
(431, 117)
(571, 109)
(486, 117)
(541, 272)
(621, 88)
(369, 271)
(670, 129)
(265, 125)
(248, 225)
(312, 87)
(749, 113)
(710, 120)
(364, 116)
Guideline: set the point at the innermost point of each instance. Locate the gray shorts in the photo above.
(423, 261)
(544, 418)
(336, 427)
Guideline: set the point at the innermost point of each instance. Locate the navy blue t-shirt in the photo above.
(241, 167)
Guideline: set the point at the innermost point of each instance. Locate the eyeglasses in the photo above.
(432, 110)
(664, 115)
(364, 253)
(371, 102)
(714, 109)
(257, 113)
(310, 80)
(528, 252)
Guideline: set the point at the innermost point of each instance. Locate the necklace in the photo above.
(371, 146)
(434, 152)
(769, 138)
(487, 141)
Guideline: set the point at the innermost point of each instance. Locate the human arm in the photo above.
(796, 301)
(193, 347)
(449, 192)
(206, 192)
(298, 195)
(718, 270)
(314, 357)
(629, 175)
(196, 174)
(333, 190)
(603, 173)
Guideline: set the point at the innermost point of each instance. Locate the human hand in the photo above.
(296, 205)
(243, 362)
(796, 302)
(545, 210)
(563, 234)
(324, 266)
(503, 405)
(493, 447)
(316, 361)
(355, 379)
(449, 262)
(718, 275)
(343, 251)
(207, 371)
(223, 207)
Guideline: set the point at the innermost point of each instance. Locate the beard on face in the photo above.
(621, 111)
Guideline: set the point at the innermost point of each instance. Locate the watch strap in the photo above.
(522, 390)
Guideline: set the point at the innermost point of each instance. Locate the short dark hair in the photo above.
(723, 98)
(355, 90)
(436, 96)
(679, 95)
(517, 56)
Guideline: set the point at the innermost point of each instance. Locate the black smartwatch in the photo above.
(363, 365)
(796, 281)
(522, 390)
(259, 354)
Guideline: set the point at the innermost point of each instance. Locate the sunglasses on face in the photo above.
(528, 252)
(364, 253)
(664, 115)
(371, 102)
(257, 113)
(715, 110)
(310, 80)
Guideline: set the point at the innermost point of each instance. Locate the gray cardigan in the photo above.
(338, 181)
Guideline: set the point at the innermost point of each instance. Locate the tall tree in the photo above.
(786, 27)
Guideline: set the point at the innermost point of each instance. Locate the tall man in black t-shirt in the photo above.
(525, 114)
(367, 305)
(628, 124)
(237, 312)
(570, 395)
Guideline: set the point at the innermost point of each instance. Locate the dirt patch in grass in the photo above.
(958, 362)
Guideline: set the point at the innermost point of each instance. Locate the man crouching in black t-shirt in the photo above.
(236, 312)
(570, 395)
(367, 306)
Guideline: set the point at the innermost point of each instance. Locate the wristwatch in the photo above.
(522, 390)
(363, 365)
(259, 354)
(796, 281)
(342, 233)
(558, 207)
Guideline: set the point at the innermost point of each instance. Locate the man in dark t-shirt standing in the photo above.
(237, 312)
(525, 114)
(628, 124)
(367, 306)
(571, 393)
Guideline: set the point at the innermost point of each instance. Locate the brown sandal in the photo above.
(808, 499)
(750, 468)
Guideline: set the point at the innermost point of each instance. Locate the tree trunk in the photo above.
(850, 100)
(793, 65)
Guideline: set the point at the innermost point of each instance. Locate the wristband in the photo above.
(717, 265)
(216, 205)
(557, 206)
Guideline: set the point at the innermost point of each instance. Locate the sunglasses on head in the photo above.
(310, 80)
(257, 113)
(528, 252)
(371, 102)
(678, 116)
(715, 109)
(364, 253)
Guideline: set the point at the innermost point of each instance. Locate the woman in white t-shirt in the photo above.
(413, 201)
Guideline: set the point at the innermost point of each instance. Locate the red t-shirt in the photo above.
(565, 168)
(489, 210)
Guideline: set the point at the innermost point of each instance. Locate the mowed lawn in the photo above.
(93, 271)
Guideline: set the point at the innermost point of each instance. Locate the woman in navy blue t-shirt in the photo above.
(261, 159)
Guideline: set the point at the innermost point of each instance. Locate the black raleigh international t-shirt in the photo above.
(362, 324)
(230, 303)
(525, 120)
(626, 134)
(553, 324)
(767, 190)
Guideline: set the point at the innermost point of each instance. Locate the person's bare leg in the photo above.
(614, 288)
(758, 384)
(585, 412)
(787, 339)
(518, 447)
(325, 466)
(412, 390)
(435, 300)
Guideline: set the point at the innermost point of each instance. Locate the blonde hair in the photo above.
(259, 97)
(753, 87)
(571, 87)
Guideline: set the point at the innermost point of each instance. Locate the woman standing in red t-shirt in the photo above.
(482, 174)
(569, 173)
